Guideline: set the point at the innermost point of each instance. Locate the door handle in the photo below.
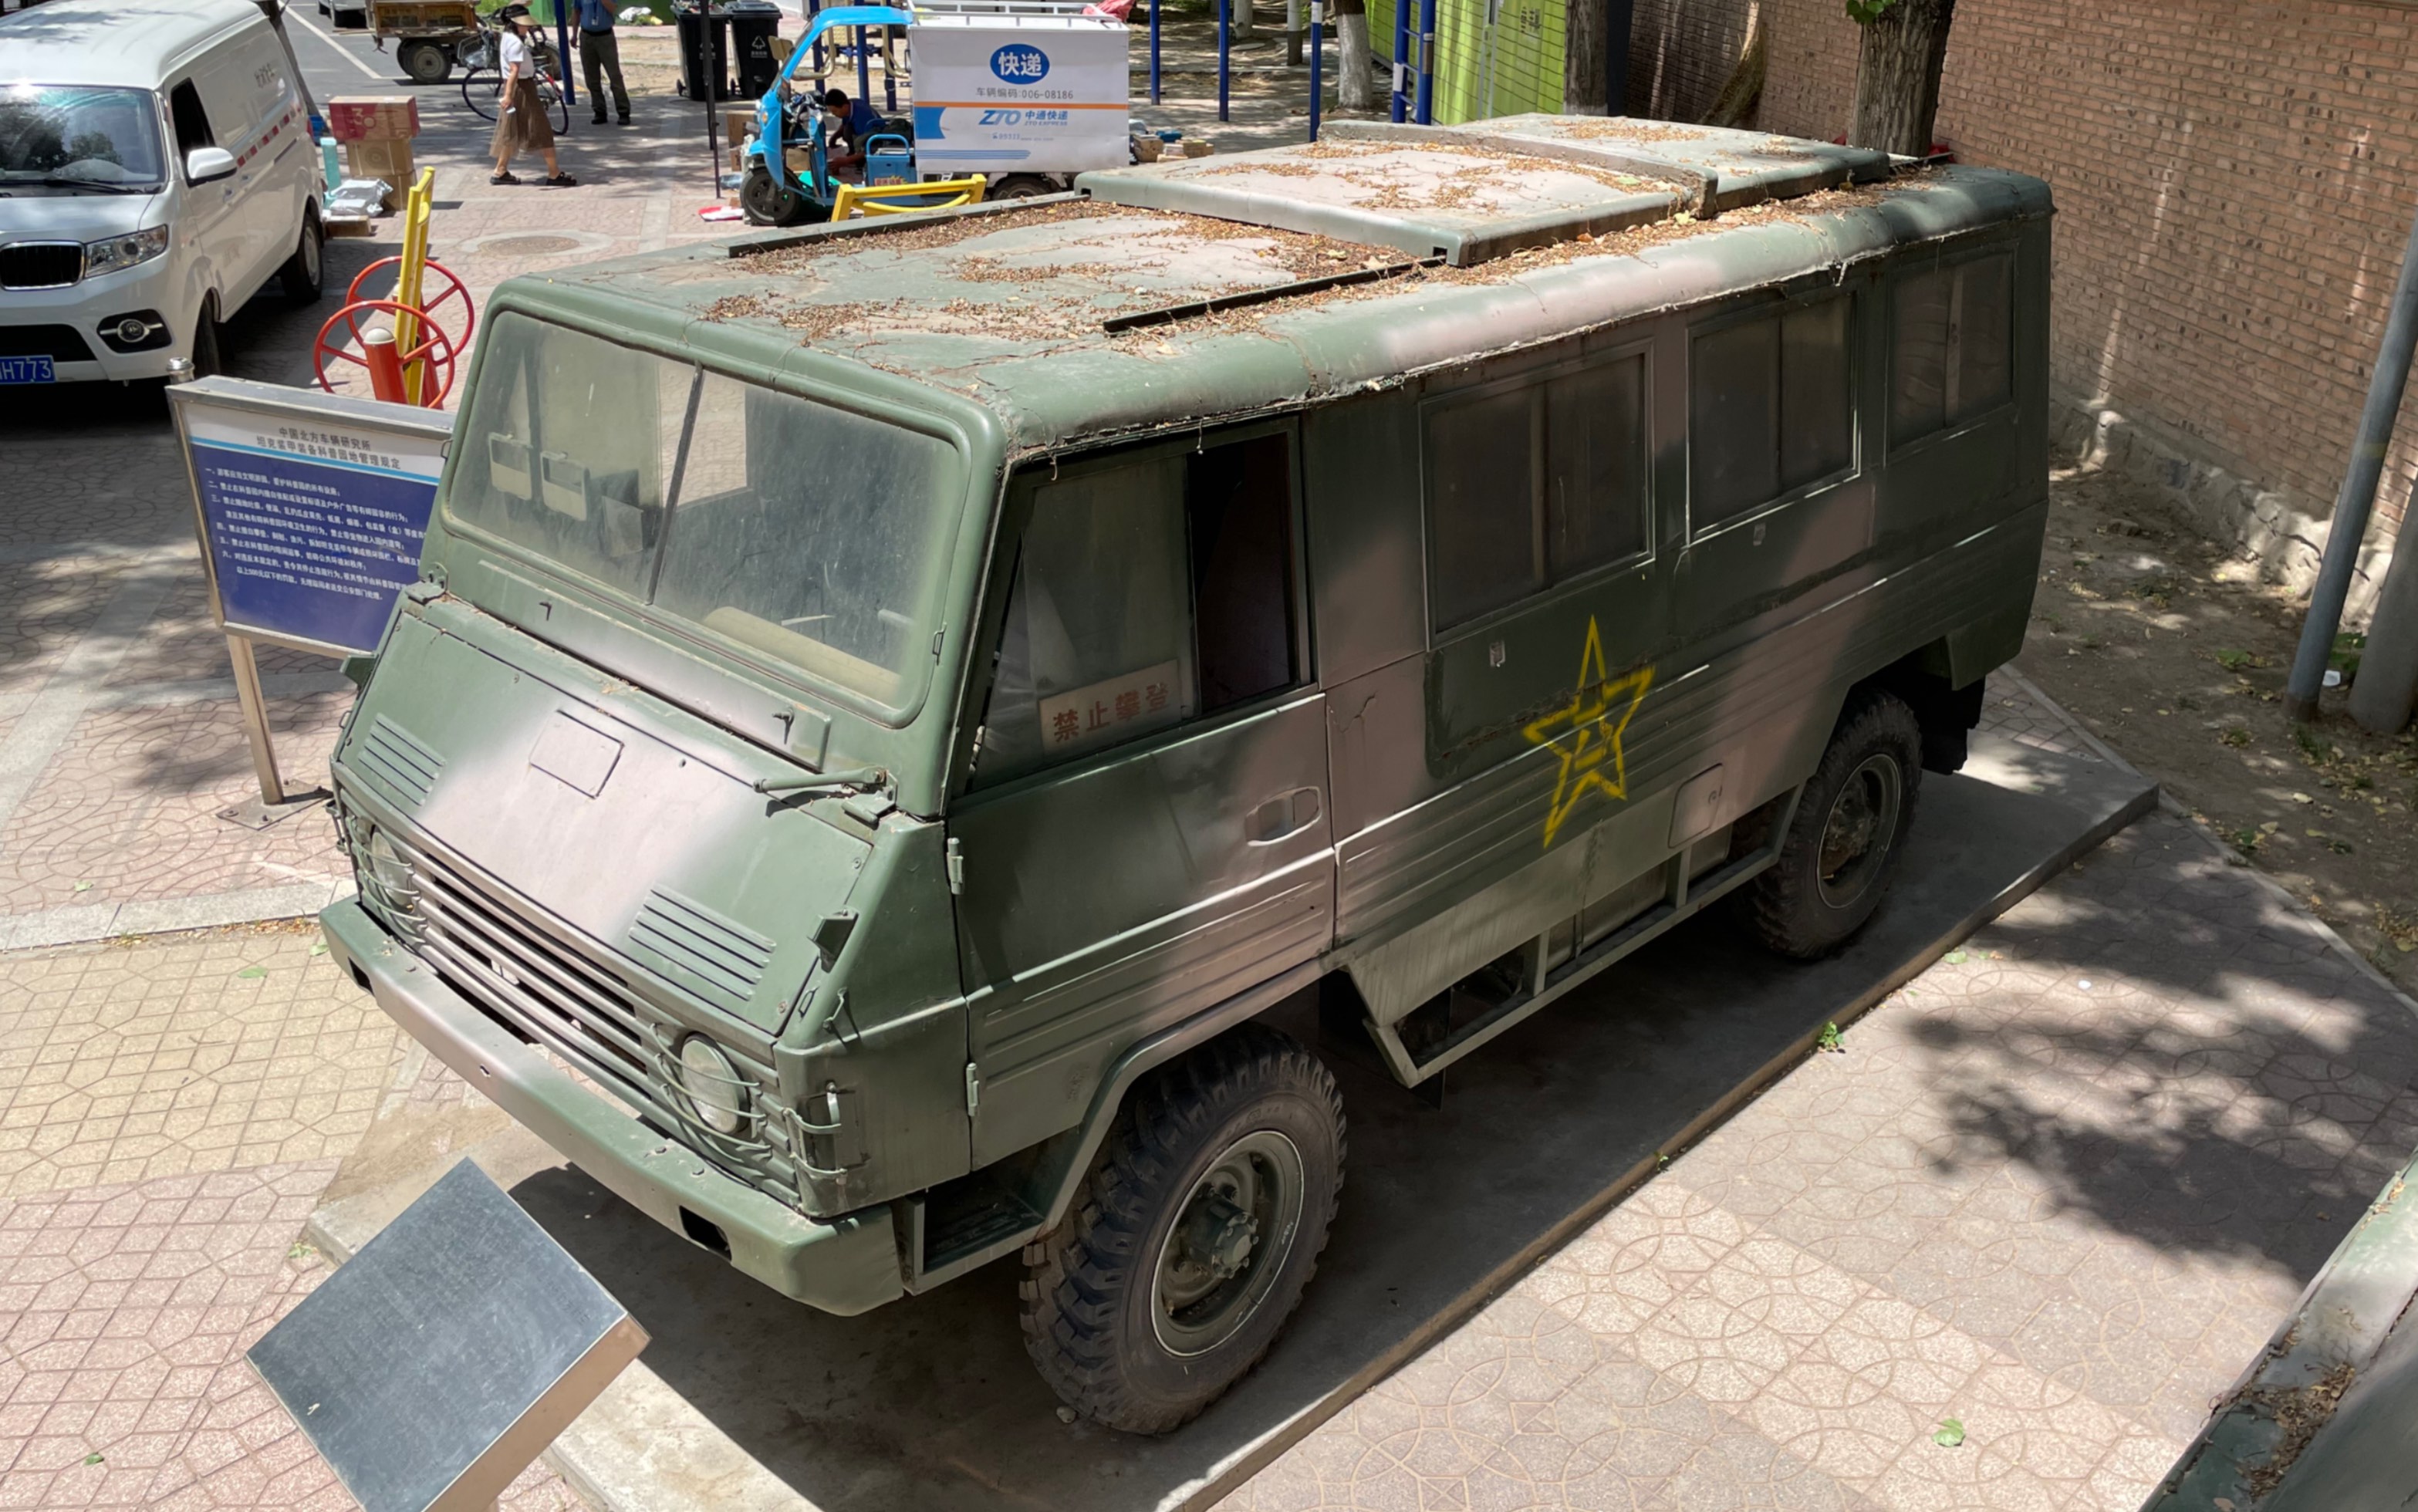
(1281, 816)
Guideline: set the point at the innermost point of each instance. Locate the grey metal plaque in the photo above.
(432, 1367)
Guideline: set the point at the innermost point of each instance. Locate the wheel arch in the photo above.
(1944, 689)
(1082, 1142)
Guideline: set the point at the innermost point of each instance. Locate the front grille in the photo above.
(488, 950)
(41, 264)
(60, 343)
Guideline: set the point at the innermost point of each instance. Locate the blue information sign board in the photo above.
(313, 506)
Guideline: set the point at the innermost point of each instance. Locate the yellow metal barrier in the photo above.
(419, 207)
(879, 200)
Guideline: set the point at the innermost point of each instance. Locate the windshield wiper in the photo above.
(100, 185)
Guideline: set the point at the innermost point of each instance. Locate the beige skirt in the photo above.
(523, 127)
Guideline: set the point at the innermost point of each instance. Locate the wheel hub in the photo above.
(1857, 830)
(1227, 1246)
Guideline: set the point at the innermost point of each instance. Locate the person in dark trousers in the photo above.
(520, 114)
(600, 52)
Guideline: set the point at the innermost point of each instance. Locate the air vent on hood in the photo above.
(722, 954)
(404, 767)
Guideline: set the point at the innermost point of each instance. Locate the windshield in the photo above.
(69, 137)
(804, 537)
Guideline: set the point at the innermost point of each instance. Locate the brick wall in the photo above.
(2234, 183)
(1680, 55)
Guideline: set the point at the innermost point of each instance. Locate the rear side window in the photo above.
(1951, 339)
(1771, 409)
(1144, 595)
(1532, 485)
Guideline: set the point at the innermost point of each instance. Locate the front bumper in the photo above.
(846, 1266)
(82, 309)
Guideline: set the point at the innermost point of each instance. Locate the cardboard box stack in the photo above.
(377, 132)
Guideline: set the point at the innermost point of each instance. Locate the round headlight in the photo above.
(390, 875)
(713, 1085)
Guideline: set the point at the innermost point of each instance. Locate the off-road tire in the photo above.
(304, 276)
(1089, 1286)
(1786, 906)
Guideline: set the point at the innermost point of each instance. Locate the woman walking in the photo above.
(520, 114)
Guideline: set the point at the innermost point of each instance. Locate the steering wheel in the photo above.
(434, 347)
(453, 289)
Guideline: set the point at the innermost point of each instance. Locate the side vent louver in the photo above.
(398, 762)
(724, 955)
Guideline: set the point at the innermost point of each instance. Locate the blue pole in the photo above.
(1317, 61)
(1154, 51)
(889, 79)
(1396, 107)
(863, 70)
(562, 49)
(1426, 115)
(814, 9)
(1225, 9)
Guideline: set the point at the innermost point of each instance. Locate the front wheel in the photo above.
(1196, 1233)
(766, 202)
(479, 88)
(1842, 844)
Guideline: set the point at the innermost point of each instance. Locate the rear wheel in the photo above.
(304, 275)
(1017, 187)
(425, 63)
(1195, 1235)
(1851, 822)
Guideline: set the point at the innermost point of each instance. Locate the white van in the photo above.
(157, 170)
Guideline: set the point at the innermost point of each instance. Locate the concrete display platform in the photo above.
(746, 1401)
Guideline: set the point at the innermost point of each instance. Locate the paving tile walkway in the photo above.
(171, 1112)
(2060, 1188)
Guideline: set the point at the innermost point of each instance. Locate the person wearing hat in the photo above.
(520, 114)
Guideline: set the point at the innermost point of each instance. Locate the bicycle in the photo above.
(482, 84)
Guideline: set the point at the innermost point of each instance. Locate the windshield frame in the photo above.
(149, 109)
(953, 505)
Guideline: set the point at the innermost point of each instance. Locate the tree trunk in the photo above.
(1296, 18)
(1897, 76)
(1240, 25)
(1353, 91)
(1584, 63)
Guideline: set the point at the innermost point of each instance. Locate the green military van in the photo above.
(888, 709)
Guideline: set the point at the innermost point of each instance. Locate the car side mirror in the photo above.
(204, 166)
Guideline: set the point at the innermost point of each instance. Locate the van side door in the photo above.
(211, 214)
(1144, 830)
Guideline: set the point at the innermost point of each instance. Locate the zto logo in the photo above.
(1021, 63)
(1586, 734)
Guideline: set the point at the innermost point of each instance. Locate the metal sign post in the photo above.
(310, 509)
(437, 1363)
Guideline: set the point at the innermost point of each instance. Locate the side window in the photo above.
(191, 122)
(1532, 485)
(1771, 409)
(1951, 345)
(1144, 595)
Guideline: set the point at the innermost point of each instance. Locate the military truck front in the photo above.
(634, 789)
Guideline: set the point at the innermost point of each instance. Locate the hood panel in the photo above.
(30, 213)
(620, 821)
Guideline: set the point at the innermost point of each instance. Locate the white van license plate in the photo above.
(27, 370)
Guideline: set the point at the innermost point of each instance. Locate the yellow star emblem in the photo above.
(1586, 734)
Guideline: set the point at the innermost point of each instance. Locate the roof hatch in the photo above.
(1469, 193)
